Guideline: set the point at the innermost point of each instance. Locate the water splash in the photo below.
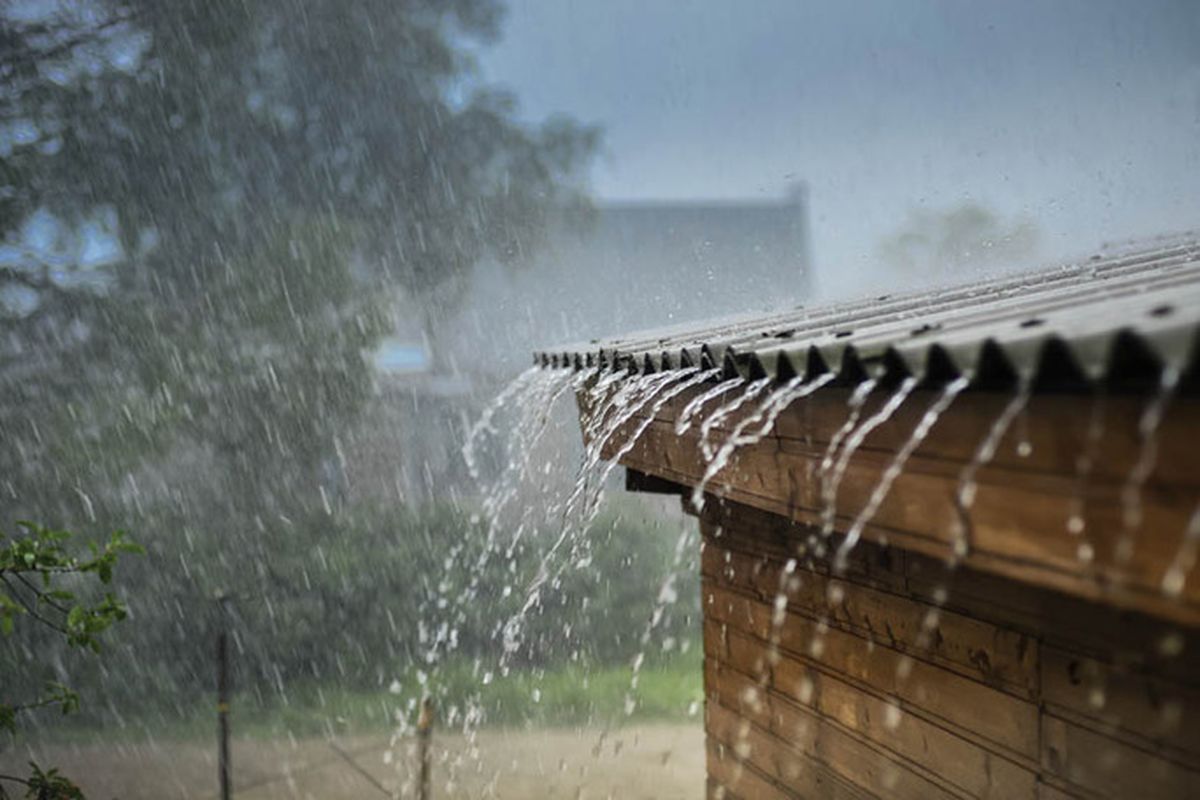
(1131, 491)
(764, 417)
(964, 494)
(896, 467)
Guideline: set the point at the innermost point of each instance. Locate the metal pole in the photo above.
(424, 735)
(223, 765)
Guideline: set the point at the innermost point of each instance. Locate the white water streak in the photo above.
(854, 442)
(636, 394)
(854, 406)
(657, 406)
(767, 413)
(964, 495)
(484, 423)
(1085, 463)
(896, 467)
(699, 401)
(723, 412)
(1131, 491)
(1175, 578)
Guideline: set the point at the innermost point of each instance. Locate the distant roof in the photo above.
(1119, 320)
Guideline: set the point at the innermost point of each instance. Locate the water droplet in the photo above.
(1171, 645)
(892, 715)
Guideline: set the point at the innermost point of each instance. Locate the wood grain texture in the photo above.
(861, 685)
(1017, 524)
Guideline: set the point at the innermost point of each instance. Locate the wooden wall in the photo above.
(1024, 497)
(900, 679)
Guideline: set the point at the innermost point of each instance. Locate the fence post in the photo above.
(424, 735)
(224, 768)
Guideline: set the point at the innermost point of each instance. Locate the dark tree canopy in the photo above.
(209, 212)
(273, 172)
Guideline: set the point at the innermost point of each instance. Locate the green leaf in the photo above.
(76, 617)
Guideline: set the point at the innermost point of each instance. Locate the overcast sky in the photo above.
(1082, 115)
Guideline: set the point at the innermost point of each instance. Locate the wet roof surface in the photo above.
(1121, 320)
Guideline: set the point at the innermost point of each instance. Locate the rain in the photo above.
(855, 458)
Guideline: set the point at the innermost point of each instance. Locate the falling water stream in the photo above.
(700, 400)
(1085, 464)
(1175, 578)
(724, 411)
(765, 417)
(853, 442)
(896, 466)
(1131, 492)
(964, 495)
(650, 392)
(619, 407)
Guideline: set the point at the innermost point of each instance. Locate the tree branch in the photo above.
(33, 54)
(31, 610)
(42, 596)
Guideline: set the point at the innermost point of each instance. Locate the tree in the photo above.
(964, 235)
(269, 171)
(35, 569)
(260, 179)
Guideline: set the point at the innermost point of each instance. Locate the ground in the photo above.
(662, 761)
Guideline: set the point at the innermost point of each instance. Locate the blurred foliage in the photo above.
(270, 177)
(274, 173)
(39, 577)
(961, 236)
(355, 601)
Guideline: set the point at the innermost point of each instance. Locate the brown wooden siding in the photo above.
(901, 679)
(1018, 520)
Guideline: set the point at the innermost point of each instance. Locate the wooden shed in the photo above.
(950, 555)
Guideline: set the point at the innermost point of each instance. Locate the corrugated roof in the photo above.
(1118, 320)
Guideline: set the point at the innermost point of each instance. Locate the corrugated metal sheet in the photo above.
(1119, 321)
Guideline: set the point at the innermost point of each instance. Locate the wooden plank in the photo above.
(761, 532)
(1109, 768)
(969, 705)
(997, 656)
(962, 765)
(789, 750)
(1056, 428)
(784, 763)
(1047, 791)
(736, 778)
(1143, 709)
(1018, 526)
(1133, 639)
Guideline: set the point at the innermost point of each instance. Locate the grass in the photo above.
(565, 696)
(670, 690)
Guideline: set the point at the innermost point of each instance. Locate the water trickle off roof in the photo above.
(1120, 321)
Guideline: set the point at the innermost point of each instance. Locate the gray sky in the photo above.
(1084, 116)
